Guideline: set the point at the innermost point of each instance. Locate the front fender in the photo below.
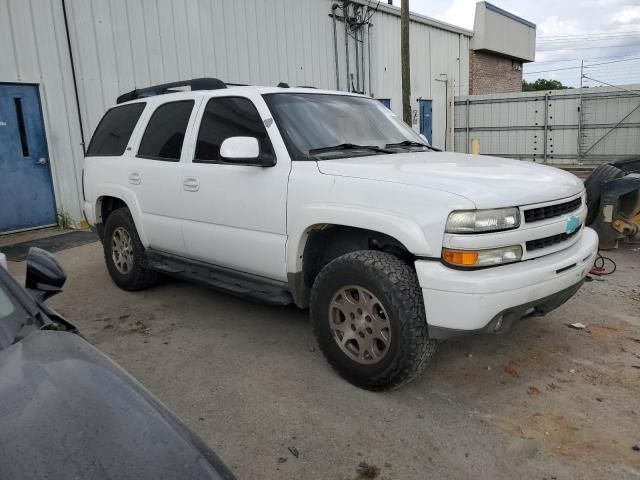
(404, 229)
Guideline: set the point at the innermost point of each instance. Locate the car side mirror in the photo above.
(245, 150)
(45, 276)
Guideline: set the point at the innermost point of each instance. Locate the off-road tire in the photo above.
(395, 284)
(593, 185)
(140, 276)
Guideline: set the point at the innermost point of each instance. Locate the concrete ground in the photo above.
(543, 401)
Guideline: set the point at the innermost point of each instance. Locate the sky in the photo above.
(600, 32)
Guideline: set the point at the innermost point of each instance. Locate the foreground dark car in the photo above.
(69, 412)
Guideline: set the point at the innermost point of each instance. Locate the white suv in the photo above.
(327, 200)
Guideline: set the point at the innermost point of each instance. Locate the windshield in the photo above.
(328, 126)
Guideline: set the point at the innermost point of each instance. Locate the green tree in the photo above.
(542, 84)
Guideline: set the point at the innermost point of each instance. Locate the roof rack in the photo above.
(195, 84)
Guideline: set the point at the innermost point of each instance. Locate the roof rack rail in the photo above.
(305, 86)
(195, 84)
(283, 85)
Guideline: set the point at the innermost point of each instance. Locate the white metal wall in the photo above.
(435, 54)
(118, 45)
(588, 125)
(33, 49)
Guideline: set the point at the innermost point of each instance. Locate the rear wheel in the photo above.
(124, 253)
(367, 313)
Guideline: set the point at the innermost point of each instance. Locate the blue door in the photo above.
(26, 192)
(385, 101)
(426, 119)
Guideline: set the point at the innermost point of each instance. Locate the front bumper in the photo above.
(467, 301)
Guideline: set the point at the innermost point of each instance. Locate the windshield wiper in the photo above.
(410, 143)
(348, 146)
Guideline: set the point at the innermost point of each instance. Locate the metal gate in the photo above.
(574, 126)
(26, 190)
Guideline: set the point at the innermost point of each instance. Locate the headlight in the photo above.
(479, 221)
(482, 258)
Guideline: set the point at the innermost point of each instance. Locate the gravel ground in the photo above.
(543, 400)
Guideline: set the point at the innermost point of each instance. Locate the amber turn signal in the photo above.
(465, 258)
(482, 258)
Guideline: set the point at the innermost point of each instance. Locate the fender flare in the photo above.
(129, 198)
(402, 228)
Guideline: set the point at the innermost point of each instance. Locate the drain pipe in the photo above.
(73, 75)
(345, 11)
(355, 36)
(369, 57)
(335, 45)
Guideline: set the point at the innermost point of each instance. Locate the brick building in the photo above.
(502, 42)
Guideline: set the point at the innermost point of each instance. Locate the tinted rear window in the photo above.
(114, 130)
(165, 131)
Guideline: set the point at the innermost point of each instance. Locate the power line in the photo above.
(586, 66)
(588, 34)
(589, 48)
(590, 39)
(585, 59)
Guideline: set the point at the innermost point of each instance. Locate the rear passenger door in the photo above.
(155, 173)
(234, 214)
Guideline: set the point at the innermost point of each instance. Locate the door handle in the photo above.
(135, 178)
(190, 184)
(41, 161)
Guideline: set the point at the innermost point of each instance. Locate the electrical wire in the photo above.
(629, 45)
(589, 34)
(586, 66)
(599, 265)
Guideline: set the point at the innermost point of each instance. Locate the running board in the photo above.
(220, 278)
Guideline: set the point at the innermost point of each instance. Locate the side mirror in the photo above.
(3, 260)
(45, 276)
(244, 150)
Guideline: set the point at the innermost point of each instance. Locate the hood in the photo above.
(489, 182)
(68, 411)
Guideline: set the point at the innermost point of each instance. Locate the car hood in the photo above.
(489, 182)
(68, 411)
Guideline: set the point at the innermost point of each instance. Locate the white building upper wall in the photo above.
(498, 31)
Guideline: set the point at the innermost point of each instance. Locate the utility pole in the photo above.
(579, 137)
(405, 59)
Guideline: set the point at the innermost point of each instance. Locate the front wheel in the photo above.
(367, 313)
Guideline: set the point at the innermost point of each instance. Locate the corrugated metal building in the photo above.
(77, 56)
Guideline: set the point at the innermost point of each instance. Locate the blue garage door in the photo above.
(26, 192)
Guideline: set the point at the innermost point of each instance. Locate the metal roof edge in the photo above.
(416, 17)
(510, 15)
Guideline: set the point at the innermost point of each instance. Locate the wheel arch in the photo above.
(110, 201)
(319, 243)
